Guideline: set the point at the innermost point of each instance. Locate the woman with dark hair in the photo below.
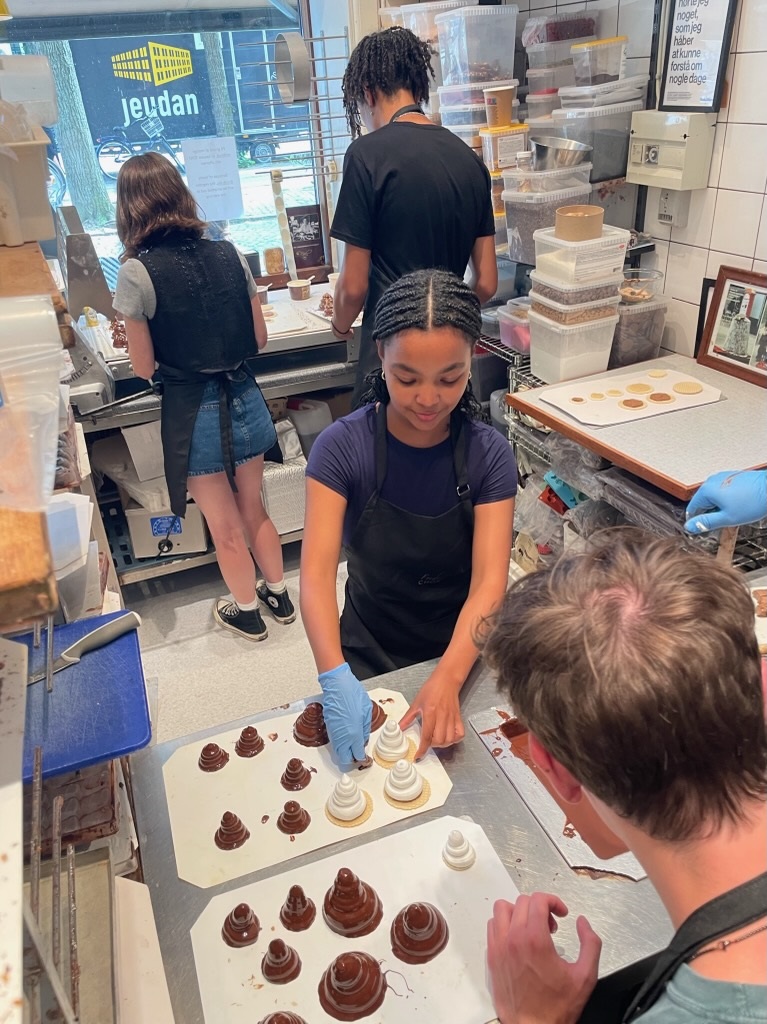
(413, 196)
(421, 495)
(191, 309)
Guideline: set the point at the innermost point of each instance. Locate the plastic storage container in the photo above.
(599, 61)
(469, 135)
(419, 18)
(541, 104)
(464, 115)
(515, 329)
(581, 262)
(515, 180)
(388, 17)
(555, 28)
(23, 190)
(526, 212)
(565, 353)
(541, 79)
(574, 294)
(501, 145)
(582, 313)
(606, 129)
(625, 90)
(469, 93)
(550, 55)
(501, 237)
(638, 334)
(477, 43)
(309, 417)
(496, 192)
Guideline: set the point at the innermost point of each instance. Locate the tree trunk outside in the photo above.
(222, 108)
(84, 178)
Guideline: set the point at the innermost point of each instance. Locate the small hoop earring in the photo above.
(469, 374)
(383, 375)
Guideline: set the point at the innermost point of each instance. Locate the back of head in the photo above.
(386, 62)
(153, 200)
(637, 667)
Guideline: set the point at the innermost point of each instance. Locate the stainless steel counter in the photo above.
(628, 915)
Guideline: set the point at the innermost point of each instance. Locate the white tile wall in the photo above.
(727, 225)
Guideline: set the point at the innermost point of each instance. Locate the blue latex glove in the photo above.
(735, 498)
(348, 712)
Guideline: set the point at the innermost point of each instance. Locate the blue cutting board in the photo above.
(98, 709)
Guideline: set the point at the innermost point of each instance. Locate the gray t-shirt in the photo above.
(692, 999)
(134, 294)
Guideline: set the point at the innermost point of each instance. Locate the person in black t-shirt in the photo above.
(413, 196)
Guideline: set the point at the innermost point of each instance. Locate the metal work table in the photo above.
(628, 915)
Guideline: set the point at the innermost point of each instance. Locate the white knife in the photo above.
(99, 637)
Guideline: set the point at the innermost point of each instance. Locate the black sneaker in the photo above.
(248, 624)
(279, 605)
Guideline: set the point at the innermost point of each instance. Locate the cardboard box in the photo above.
(148, 529)
(283, 491)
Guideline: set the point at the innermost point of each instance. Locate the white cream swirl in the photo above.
(458, 853)
(346, 801)
(391, 744)
(403, 783)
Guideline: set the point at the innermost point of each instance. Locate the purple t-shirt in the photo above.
(419, 480)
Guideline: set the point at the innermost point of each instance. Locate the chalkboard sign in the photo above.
(697, 48)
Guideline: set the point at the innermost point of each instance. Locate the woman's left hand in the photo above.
(438, 707)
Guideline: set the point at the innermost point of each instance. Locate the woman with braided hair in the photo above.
(421, 495)
(413, 196)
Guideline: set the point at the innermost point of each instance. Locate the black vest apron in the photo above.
(625, 995)
(409, 575)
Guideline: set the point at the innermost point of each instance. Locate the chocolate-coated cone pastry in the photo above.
(231, 833)
(250, 743)
(310, 730)
(378, 717)
(351, 907)
(352, 987)
(296, 775)
(298, 911)
(282, 1017)
(294, 819)
(212, 758)
(281, 963)
(241, 927)
(418, 933)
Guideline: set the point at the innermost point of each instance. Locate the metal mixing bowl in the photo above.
(549, 153)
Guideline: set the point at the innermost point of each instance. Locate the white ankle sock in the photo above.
(250, 606)
(277, 588)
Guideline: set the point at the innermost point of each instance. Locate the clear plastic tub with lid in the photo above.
(541, 104)
(501, 238)
(525, 180)
(420, 18)
(556, 28)
(477, 43)
(550, 55)
(582, 313)
(496, 192)
(388, 17)
(638, 334)
(526, 212)
(606, 129)
(581, 262)
(625, 90)
(470, 135)
(599, 61)
(469, 93)
(474, 113)
(501, 145)
(515, 330)
(560, 353)
(541, 80)
(574, 294)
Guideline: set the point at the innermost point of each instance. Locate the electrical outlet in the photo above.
(674, 207)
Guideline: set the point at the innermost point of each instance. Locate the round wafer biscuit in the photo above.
(657, 373)
(614, 392)
(359, 820)
(409, 756)
(688, 387)
(639, 388)
(411, 805)
(632, 404)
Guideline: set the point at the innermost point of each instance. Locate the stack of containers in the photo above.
(476, 44)
(547, 39)
(420, 19)
(641, 318)
(531, 200)
(575, 302)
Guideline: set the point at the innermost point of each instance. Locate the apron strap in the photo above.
(380, 447)
(736, 908)
(225, 421)
(411, 108)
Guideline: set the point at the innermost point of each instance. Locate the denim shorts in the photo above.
(253, 432)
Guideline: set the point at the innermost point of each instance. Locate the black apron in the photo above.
(409, 575)
(378, 283)
(624, 995)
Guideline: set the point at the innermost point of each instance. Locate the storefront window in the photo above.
(132, 83)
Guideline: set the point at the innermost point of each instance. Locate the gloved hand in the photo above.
(348, 712)
(736, 499)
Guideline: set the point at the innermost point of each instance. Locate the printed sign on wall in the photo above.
(697, 48)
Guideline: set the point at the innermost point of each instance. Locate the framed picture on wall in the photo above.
(735, 336)
(697, 47)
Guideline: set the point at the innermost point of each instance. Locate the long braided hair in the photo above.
(386, 62)
(425, 300)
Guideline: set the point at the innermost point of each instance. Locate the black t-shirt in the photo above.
(417, 197)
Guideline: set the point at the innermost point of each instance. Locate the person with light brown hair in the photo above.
(636, 669)
(191, 310)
